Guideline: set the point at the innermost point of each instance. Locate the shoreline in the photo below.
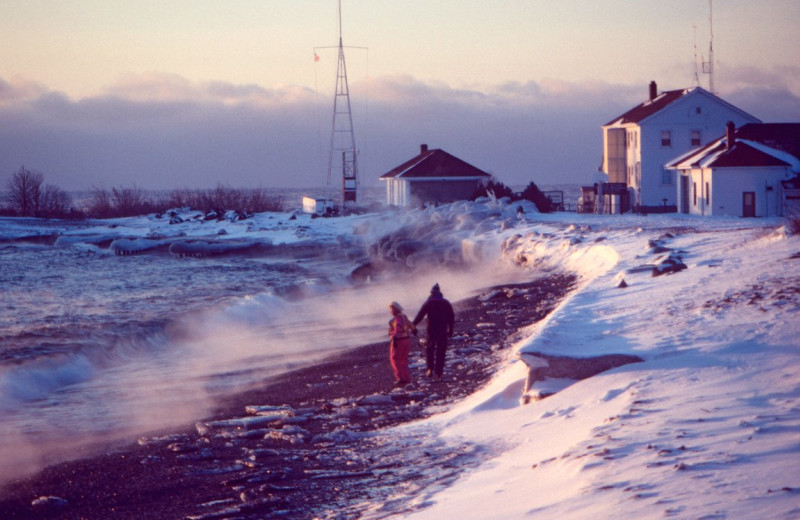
(297, 447)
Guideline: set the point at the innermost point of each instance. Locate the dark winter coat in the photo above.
(441, 318)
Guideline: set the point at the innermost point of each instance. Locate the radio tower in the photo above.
(708, 66)
(343, 141)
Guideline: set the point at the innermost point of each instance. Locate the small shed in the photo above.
(432, 176)
(742, 173)
(317, 205)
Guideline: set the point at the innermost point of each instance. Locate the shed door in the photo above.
(684, 194)
(749, 204)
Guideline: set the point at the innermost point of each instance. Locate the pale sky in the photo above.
(109, 92)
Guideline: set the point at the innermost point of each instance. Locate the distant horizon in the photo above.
(183, 94)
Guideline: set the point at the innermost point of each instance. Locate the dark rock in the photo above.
(49, 504)
(669, 264)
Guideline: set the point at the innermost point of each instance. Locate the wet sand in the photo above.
(303, 447)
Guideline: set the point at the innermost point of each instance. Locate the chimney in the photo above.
(423, 148)
(730, 135)
(653, 90)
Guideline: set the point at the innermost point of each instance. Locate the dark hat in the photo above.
(435, 289)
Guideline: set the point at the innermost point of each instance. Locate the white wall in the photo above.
(729, 184)
(681, 117)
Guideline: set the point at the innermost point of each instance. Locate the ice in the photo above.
(704, 426)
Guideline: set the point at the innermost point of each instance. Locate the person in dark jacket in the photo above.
(441, 322)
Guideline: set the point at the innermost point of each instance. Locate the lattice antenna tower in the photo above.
(343, 149)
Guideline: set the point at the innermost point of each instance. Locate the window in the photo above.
(666, 138)
(696, 138)
(708, 195)
(698, 110)
(694, 194)
(666, 176)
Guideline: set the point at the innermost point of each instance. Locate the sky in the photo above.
(171, 93)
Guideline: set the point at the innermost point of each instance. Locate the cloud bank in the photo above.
(160, 131)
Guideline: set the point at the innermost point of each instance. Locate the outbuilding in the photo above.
(433, 176)
(743, 173)
(318, 205)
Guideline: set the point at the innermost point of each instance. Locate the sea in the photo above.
(97, 348)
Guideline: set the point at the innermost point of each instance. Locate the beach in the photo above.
(311, 443)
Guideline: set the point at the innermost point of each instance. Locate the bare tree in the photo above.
(100, 203)
(54, 202)
(129, 200)
(24, 191)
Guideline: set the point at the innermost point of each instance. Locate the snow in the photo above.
(707, 426)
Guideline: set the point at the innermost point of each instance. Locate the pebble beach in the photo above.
(312, 443)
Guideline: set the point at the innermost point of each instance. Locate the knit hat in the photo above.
(396, 306)
(435, 289)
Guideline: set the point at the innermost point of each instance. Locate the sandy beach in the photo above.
(299, 445)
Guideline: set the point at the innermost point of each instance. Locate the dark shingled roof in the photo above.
(783, 137)
(742, 154)
(648, 108)
(434, 163)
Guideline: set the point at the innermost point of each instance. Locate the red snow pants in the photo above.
(398, 355)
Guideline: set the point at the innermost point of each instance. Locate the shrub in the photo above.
(535, 195)
(793, 221)
(497, 188)
(120, 202)
(222, 198)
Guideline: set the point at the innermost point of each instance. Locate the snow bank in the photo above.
(704, 428)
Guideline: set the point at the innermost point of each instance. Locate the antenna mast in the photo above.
(343, 140)
(696, 82)
(708, 66)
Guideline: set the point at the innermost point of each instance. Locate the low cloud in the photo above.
(162, 131)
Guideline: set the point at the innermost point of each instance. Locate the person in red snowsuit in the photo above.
(441, 323)
(400, 330)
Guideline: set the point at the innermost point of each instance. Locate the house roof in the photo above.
(781, 136)
(761, 144)
(434, 163)
(648, 108)
(661, 101)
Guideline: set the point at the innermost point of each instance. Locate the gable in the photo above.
(671, 99)
(648, 108)
(754, 145)
(436, 164)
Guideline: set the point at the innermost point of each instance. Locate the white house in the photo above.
(743, 173)
(432, 176)
(637, 144)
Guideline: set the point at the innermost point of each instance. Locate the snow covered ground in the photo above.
(708, 426)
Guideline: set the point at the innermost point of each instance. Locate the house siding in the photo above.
(646, 156)
(727, 187)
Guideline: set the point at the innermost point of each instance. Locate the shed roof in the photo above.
(434, 163)
(755, 144)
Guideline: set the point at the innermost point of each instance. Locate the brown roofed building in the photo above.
(748, 172)
(432, 176)
(638, 143)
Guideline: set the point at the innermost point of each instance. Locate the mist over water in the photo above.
(100, 347)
